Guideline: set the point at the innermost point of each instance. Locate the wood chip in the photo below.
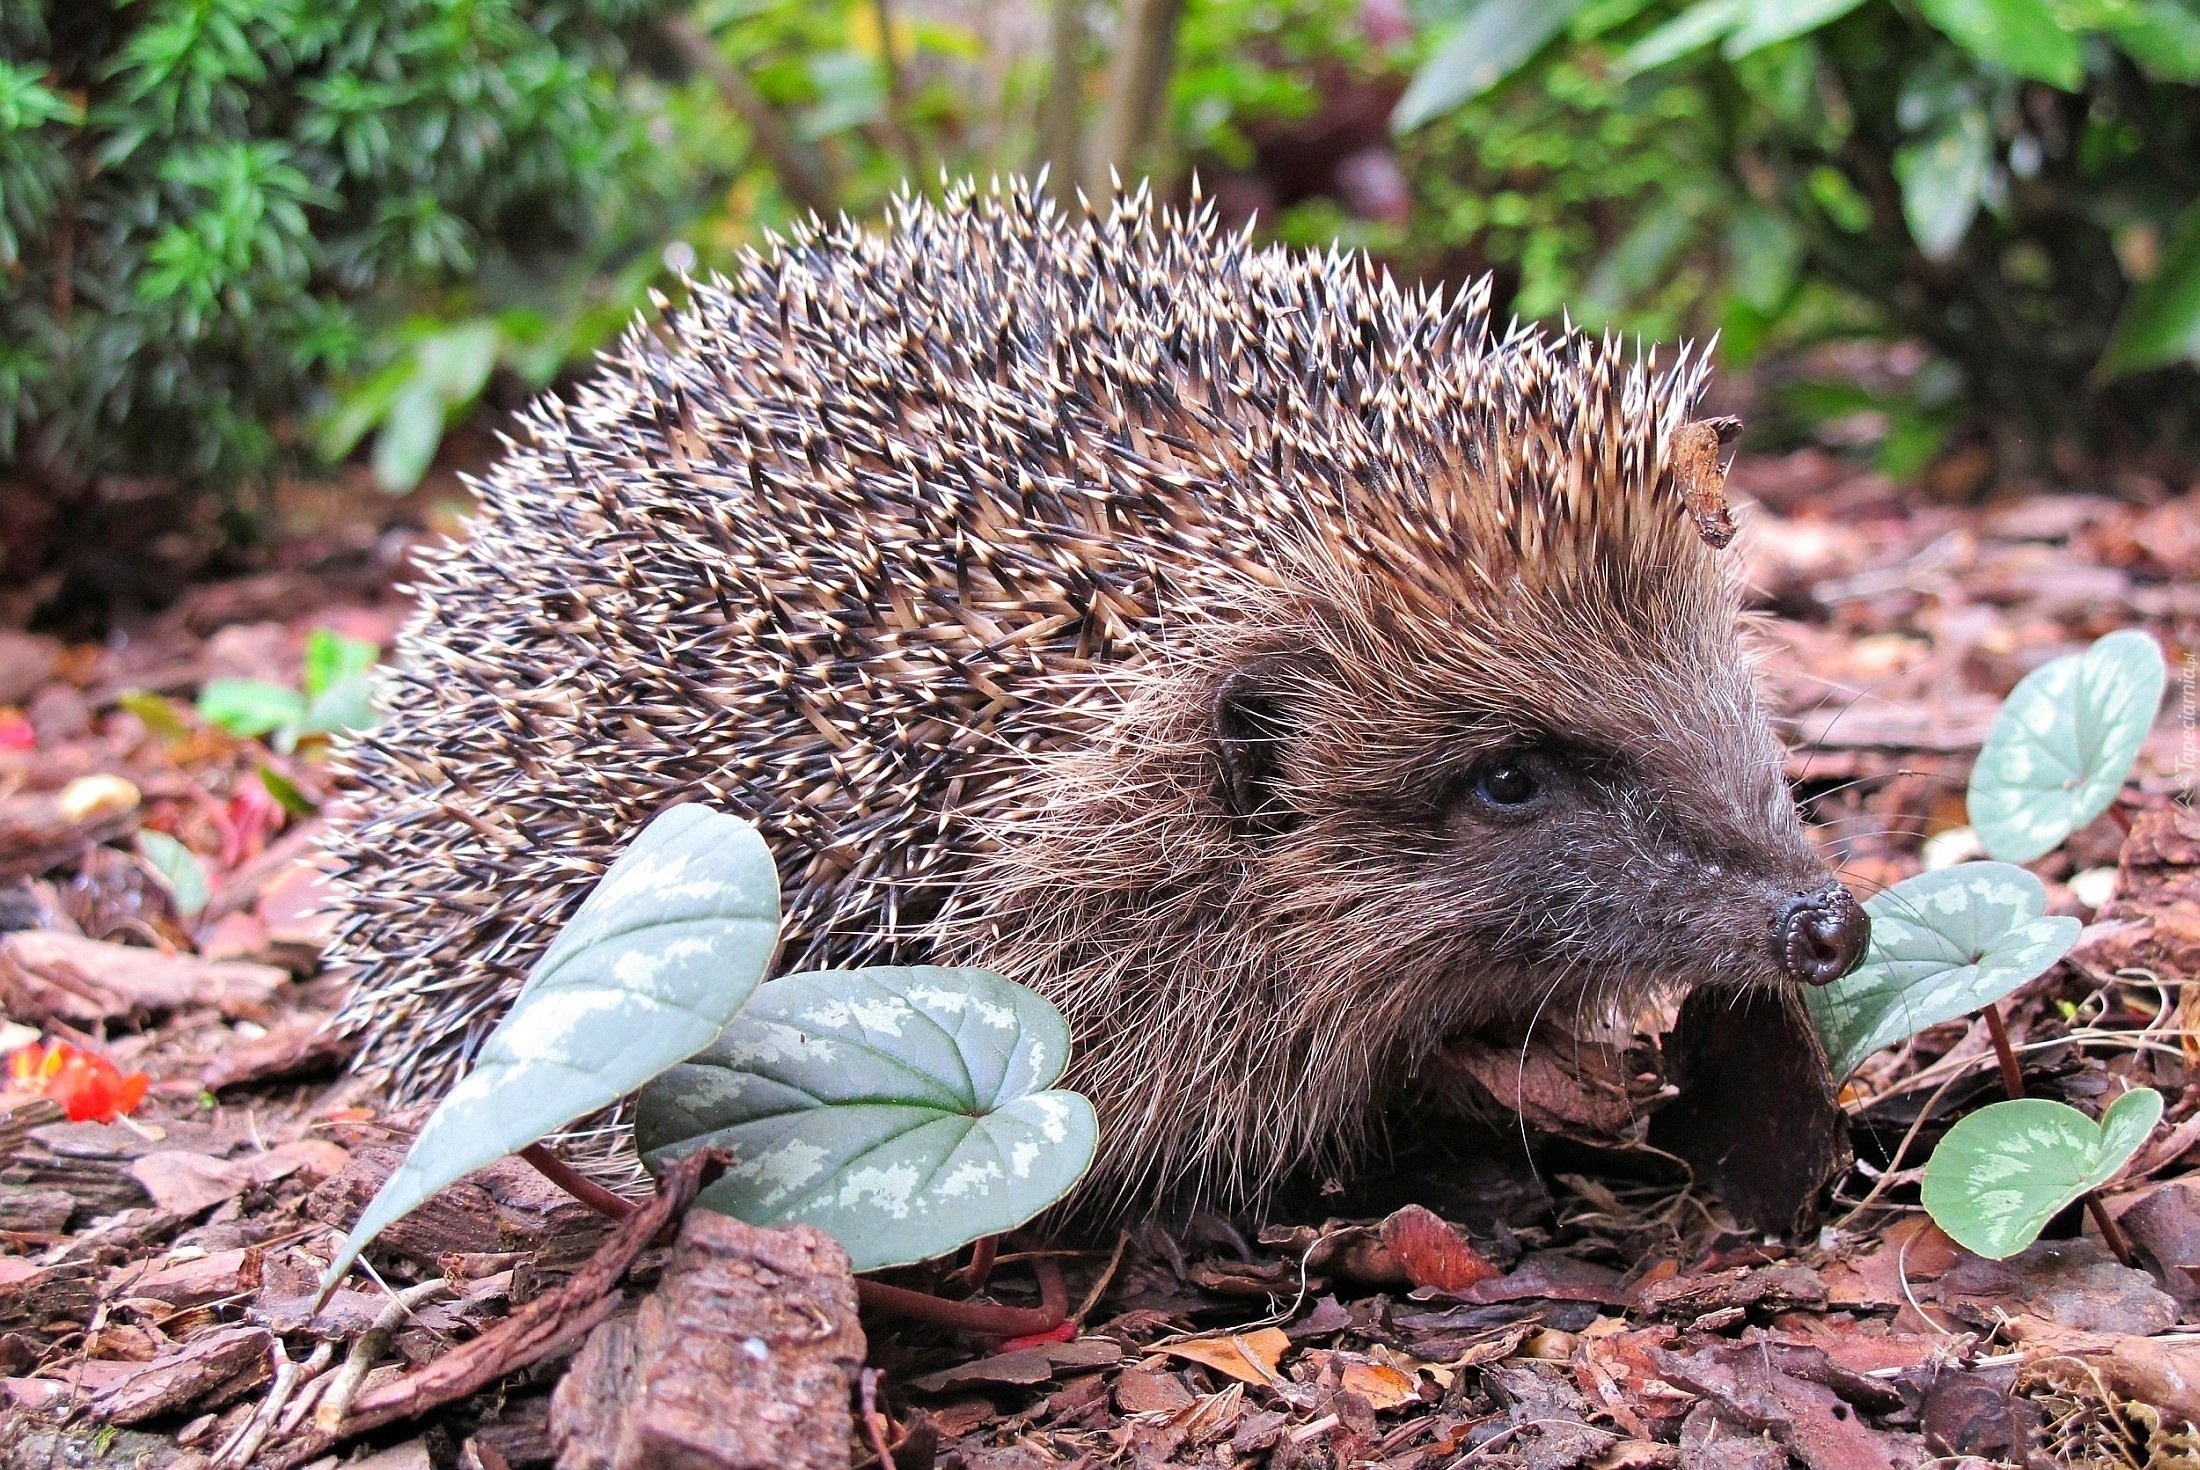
(44, 975)
(744, 1358)
(214, 1368)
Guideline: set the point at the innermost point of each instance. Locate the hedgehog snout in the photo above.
(1821, 935)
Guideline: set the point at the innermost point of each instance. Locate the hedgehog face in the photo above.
(1507, 824)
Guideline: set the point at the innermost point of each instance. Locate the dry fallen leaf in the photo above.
(1249, 1357)
(1383, 1386)
(1433, 1253)
(186, 1183)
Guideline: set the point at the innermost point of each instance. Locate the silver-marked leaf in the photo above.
(904, 1111)
(2058, 752)
(179, 867)
(2006, 1170)
(665, 951)
(1943, 945)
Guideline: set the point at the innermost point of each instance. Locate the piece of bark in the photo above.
(298, 1046)
(1432, 1252)
(34, 1298)
(35, 1211)
(190, 1283)
(39, 829)
(218, 1366)
(17, 1121)
(504, 1207)
(186, 1182)
(1556, 1081)
(1756, 1116)
(1550, 1417)
(27, 661)
(45, 975)
(743, 1359)
(2163, 1372)
(544, 1325)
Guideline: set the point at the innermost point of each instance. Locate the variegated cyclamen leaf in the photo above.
(2006, 1170)
(666, 950)
(1943, 945)
(904, 1111)
(2058, 751)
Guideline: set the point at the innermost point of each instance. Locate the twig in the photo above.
(1138, 89)
(256, 1424)
(987, 1319)
(898, 129)
(336, 1399)
(2112, 1230)
(1065, 100)
(2012, 1075)
(575, 1183)
(874, 1423)
(547, 1323)
(1092, 1297)
(802, 172)
(290, 1377)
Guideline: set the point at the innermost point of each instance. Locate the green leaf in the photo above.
(1943, 945)
(332, 658)
(2022, 36)
(2060, 747)
(250, 708)
(2163, 36)
(657, 960)
(406, 444)
(179, 868)
(1764, 249)
(286, 793)
(905, 1111)
(2006, 1170)
(1770, 21)
(1944, 178)
(157, 713)
(1494, 39)
(347, 705)
(2160, 324)
(458, 360)
(339, 684)
(1691, 30)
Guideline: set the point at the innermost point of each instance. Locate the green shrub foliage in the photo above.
(2012, 183)
(203, 202)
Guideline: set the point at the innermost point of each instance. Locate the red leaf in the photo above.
(1432, 1253)
(89, 1088)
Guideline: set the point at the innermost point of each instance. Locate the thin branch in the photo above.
(802, 172)
(1065, 102)
(1138, 91)
(575, 1183)
(899, 130)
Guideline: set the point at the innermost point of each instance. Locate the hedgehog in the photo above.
(1277, 668)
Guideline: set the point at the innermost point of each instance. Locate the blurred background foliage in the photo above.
(243, 238)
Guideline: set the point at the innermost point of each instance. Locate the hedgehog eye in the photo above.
(1506, 783)
(1507, 786)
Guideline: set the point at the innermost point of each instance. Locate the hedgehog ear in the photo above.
(1252, 721)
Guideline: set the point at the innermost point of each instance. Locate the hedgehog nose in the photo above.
(1820, 936)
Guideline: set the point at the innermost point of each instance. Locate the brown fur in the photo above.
(955, 557)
